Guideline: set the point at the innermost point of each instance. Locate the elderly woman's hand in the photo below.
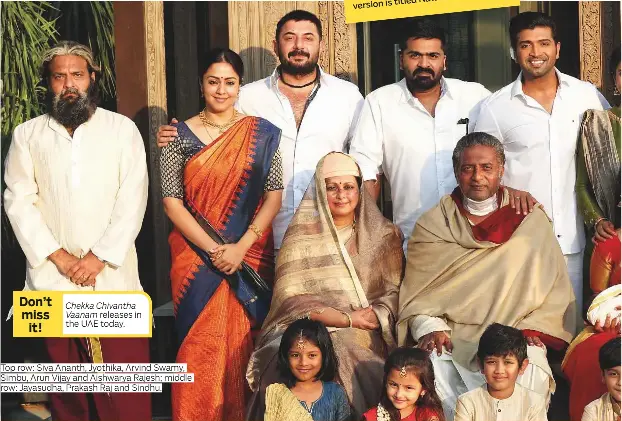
(365, 318)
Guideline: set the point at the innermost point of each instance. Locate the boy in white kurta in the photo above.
(502, 354)
(607, 407)
(76, 193)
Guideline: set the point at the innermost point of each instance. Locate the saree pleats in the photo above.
(216, 350)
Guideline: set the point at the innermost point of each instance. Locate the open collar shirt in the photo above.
(540, 148)
(327, 126)
(397, 136)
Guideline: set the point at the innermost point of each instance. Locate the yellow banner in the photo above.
(55, 314)
(370, 10)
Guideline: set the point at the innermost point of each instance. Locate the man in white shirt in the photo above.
(316, 112)
(76, 193)
(408, 130)
(537, 119)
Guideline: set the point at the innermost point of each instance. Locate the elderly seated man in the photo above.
(472, 261)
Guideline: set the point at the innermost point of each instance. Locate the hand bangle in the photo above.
(257, 231)
(598, 221)
(349, 318)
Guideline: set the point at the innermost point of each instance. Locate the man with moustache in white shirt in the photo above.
(316, 112)
(409, 129)
(537, 119)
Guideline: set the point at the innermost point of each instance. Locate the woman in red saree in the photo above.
(598, 196)
(223, 172)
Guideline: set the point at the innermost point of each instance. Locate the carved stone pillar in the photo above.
(599, 34)
(252, 27)
(610, 20)
(590, 42)
(141, 96)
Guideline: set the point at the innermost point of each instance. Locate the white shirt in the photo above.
(86, 193)
(398, 137)
(600, 409)
(327, 126)
(540, 148)
(523, 405)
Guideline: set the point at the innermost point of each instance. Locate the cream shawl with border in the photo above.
(470, 284)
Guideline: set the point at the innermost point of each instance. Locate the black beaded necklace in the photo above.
(317, 76)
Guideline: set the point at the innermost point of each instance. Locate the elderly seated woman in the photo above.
(341, 263)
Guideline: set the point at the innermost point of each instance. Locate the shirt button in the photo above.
(499, 409)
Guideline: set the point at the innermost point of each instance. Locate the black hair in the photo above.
(297, 16)
(423, 28)
(609, 354)
(614, 61)
(499, 341)
(222, 55)
(316, 333)
(530, 20)
(477, 139)
(417, 362)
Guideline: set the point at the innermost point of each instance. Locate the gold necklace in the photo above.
(221, 127)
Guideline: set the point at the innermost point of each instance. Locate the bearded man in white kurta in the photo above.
(76, 196)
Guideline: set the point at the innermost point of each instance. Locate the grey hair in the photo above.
(474, 139)
(68, 48)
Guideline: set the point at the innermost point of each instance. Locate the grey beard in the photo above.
(73, 113)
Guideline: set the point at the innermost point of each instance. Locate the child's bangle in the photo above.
(349, 318)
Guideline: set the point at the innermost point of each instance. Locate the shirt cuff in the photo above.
(370, 173)
(422, 324)
(107, 256)
(39, 256)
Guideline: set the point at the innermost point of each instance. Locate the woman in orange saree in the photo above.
(221, 180)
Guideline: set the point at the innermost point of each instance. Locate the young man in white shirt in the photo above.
(76, 193)
(537, 119)
(316, 112)
(409, 129)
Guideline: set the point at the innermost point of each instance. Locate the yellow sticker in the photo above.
(55, 314)
(370, 10)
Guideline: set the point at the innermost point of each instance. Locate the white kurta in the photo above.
(453, 380)
(523, 405)
(600, 409)
(86, 193)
